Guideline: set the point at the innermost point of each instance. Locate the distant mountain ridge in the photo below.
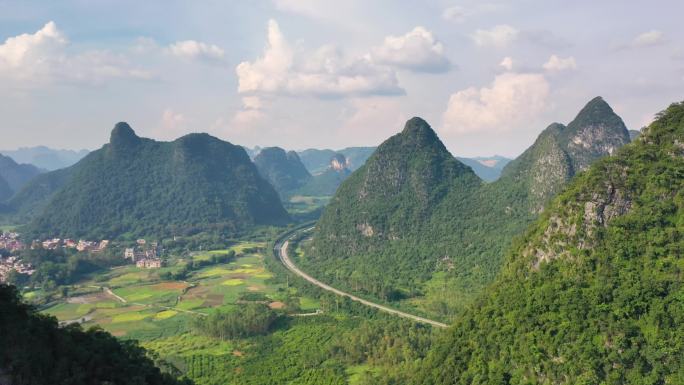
(395, 228)
(487, 168)
(15, 176)
(282, 169)
(138, 186)
(44, 157)
(317, 161)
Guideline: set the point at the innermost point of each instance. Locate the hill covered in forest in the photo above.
(134, 186)
(593, 292)
(35, 350)
(406, 225)
(14, 175)
(284, 170)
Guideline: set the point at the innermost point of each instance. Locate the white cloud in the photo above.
(460, 14)
(171, 120)
(649, 39)
(507, 63)
(171, 126)
(558, 64)
(322, 73)
(512, 99)
(417, 50)
(42, 57)
(250, 113)
(498, 36)
(191, 49)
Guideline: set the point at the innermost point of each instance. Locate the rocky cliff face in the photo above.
(561, 151)
(339, 163)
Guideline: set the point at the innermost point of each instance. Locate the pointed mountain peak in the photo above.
(418, 132)
(123, 135)
(415, 126)
(596, 111)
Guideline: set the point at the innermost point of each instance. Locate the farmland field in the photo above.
(137, 303)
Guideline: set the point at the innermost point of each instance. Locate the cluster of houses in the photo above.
(144, 255)
(10, 241)
(81, 245)
(13, 263)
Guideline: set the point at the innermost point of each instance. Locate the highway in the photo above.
(280, 250)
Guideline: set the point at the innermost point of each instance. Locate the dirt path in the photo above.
(280, 250)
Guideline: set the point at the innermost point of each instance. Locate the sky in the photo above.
(487, 76)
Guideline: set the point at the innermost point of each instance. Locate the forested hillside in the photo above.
(34, 350)
(406, 226)
(5, 190)
(16, 175)
(593, 294)
(283, 170)
(134, 186)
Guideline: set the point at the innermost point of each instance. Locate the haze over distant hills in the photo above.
(14, 176)
(487, 168)
(138, 186)
(282, 169)
(45, 157)
(318, 161)
(411, 223)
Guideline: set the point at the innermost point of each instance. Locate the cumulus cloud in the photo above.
(322, 73)
(191, 49)
(558, 64)
(42, 57)
(171, 120)
(512, 99)
(507, 63)
(498, 36)
(250, 112)
(649, 39)
(418, 50)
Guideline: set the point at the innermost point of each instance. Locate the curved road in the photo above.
(280, 250)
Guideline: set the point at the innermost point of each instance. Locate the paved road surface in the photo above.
(281, 252)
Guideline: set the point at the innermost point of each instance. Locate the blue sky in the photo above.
(488, 76)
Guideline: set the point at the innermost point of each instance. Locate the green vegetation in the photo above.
(14, 176)
(34, 350)
(61, 267)
(246, 321)
(414, 225)
(139, 187)
(283, 170)
(593, 294)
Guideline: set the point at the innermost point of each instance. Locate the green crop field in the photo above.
(154, 307)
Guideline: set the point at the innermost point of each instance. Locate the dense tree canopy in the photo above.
(415, 222)
(593, 294)
(140, 187)
(34, 350)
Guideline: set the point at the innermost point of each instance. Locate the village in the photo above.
(145, 255)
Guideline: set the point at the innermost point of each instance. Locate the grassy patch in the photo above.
(165, 314)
